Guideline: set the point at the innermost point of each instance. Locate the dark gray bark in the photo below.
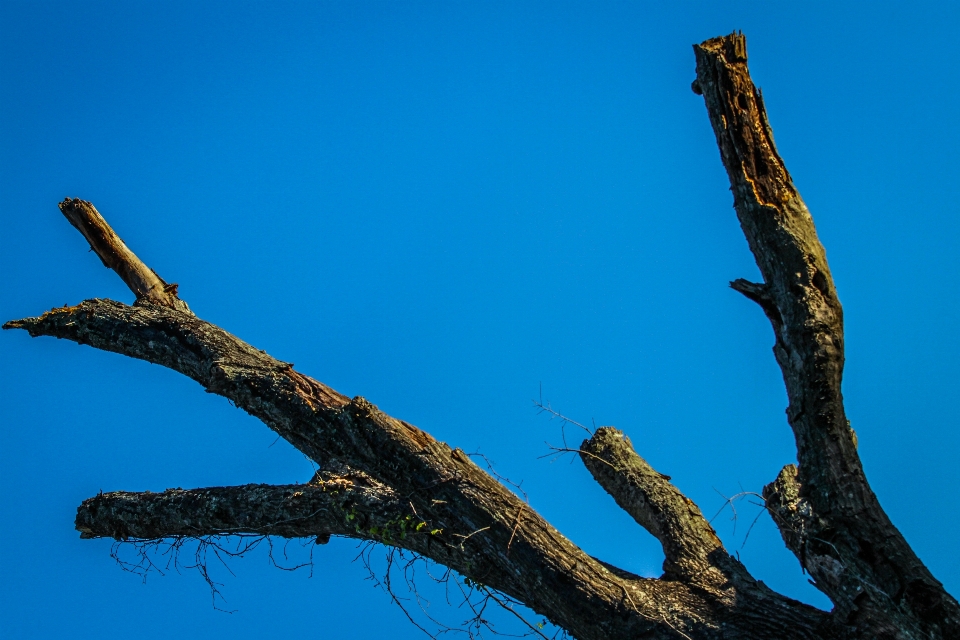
(384, 480)
(327, 505)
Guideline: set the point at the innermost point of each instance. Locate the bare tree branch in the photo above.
(691, 548)
(142, 280)
(328, 505)
(854, 546)
(483, 537)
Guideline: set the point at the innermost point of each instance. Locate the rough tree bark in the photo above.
(385, 480)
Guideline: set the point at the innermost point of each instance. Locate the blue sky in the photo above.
(445, 207)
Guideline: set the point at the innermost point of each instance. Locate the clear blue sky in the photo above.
(442, 207)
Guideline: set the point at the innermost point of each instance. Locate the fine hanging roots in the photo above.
(412, 582)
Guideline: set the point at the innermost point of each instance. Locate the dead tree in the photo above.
(384, 480)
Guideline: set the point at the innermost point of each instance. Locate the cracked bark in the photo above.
(483, 534)
(691, 548)
(829, 516)
(385, 480)
(325, 506)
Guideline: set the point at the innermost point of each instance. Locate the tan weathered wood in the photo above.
(142, 280)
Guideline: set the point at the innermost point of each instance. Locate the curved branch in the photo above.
(494, 538)
(864, 549)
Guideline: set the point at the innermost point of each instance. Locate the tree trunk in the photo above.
(384, 480)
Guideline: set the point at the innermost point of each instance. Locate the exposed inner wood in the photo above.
(142, 280)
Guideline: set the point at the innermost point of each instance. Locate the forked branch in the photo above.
(848, 543)
(476, 526)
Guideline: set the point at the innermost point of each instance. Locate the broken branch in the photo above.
(142, 280)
